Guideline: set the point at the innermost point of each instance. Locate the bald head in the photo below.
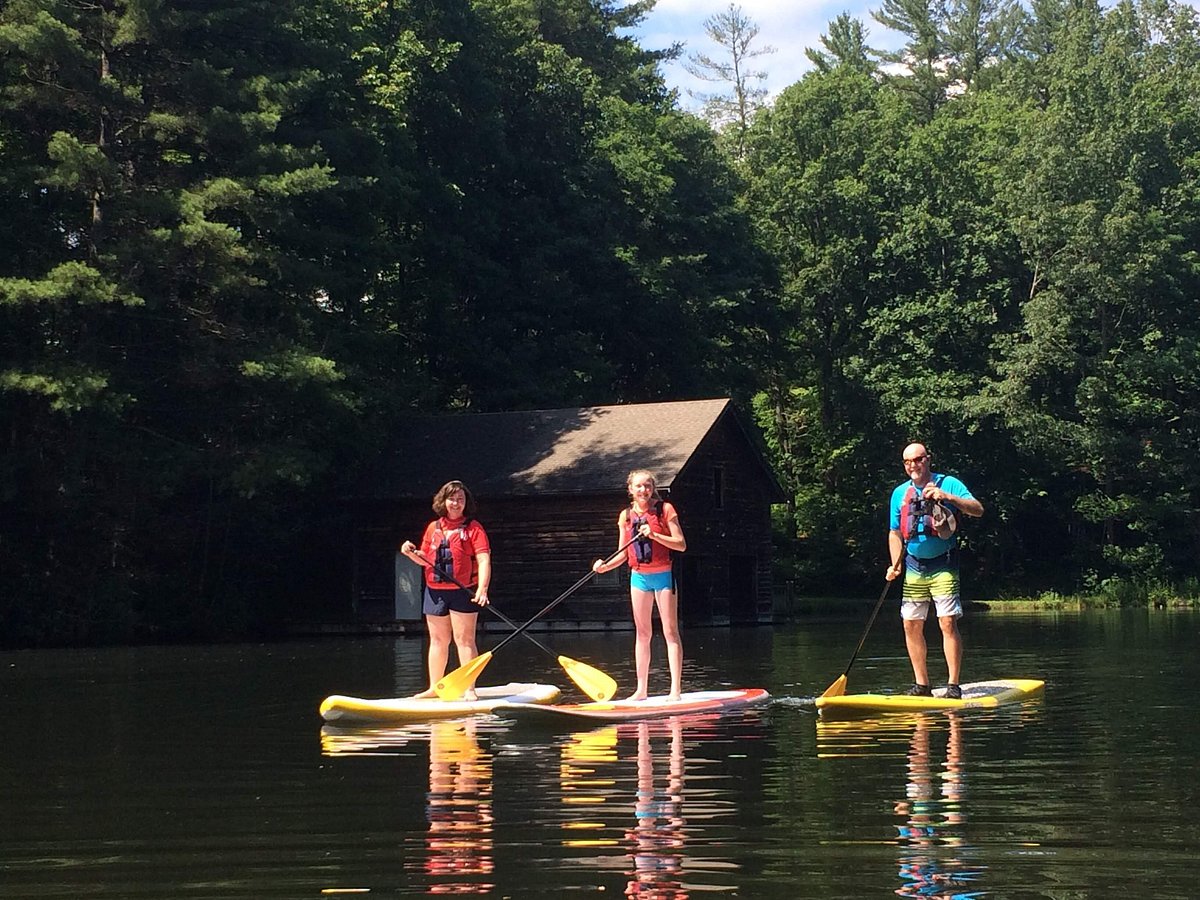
(916, 463)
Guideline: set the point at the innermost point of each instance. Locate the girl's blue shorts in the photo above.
(651, 581)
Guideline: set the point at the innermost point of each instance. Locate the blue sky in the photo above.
(787, 25)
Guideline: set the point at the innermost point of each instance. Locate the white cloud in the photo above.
(787, 25)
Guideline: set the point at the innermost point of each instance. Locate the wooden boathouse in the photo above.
(550, 484)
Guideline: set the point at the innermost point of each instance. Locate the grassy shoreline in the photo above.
(804, 607)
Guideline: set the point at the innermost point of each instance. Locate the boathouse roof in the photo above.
(577, 450)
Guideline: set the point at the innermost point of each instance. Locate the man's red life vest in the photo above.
(645, 555)
(451, 551)
(928, 517)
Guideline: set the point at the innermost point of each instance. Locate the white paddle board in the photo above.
(652, 707)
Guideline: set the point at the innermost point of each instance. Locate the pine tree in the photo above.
(732, 111)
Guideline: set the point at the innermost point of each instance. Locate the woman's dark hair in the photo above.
(439, 499)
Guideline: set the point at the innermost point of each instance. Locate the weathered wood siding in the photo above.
(544, 546)
(724, 502)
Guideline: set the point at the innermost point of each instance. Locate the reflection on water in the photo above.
(640, 795)
(340, 740)
(584, 787)
(459, 810)
(933, 857)
(621, 795)
(658, 834)
(933, 850)
(163, 772)
(459, 841)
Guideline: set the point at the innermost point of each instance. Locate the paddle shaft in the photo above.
(502, 616)
(871, 621)
(564, 595)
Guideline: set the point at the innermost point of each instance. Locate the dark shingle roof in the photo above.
(552, 451)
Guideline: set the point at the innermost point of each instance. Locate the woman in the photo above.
(459, 546)
(650, 527)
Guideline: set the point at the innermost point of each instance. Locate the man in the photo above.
(922, 544)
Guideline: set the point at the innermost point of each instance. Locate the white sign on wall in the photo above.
(409, 587)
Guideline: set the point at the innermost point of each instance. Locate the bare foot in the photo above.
(674, 698)
(469, 694)
(640, 695)
(427, 694)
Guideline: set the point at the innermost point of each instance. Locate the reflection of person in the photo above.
(459, 810)
(658, 835)
(650, 526)
(930, 863)
(922, 544)
(457, 543)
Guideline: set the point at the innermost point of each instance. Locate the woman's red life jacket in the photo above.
(645, 555)
(452, 552)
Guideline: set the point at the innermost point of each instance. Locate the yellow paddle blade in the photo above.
(596, 684)
(452, 686)
(837, 689)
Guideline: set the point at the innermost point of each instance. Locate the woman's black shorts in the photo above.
(442, 602)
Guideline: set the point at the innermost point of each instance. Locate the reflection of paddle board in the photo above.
(338, 708)
(618, 710)
(978, 695)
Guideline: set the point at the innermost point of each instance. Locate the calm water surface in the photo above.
(206, 772)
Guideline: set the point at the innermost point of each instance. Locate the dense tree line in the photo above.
(988, 240)
(241, 238)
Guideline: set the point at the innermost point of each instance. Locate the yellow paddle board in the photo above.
(348, 710)
(976, 695)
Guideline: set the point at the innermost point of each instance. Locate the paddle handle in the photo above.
(871, 621)
(509, 622)
(565, 594)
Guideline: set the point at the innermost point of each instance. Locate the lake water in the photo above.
(194, 772)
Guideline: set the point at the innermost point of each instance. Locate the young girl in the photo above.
(652, 525)
(459, 546)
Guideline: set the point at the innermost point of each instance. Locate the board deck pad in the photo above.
(348, 710)
(652, 707)
(975, 695)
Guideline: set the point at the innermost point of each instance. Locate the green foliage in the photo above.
(1009, 274)
(1093, 380)
(71, 282)
(845, 45)
(242, 238)
(150, 216)
(822, 164)
(66, 392)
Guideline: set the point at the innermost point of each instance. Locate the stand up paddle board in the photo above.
(652, 707)
(977, 695)
(348, 710)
